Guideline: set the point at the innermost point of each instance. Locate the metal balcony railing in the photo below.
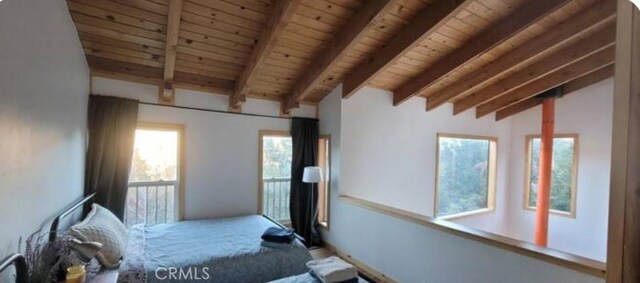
(275, 198)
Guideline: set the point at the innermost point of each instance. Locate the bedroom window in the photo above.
(465, 175)
(563, 173)
(275, 181)
(154, 181)
(275, 176)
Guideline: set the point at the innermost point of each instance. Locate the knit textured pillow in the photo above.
(103, 227)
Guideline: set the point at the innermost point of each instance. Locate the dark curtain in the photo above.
(304, 197)
(111, 125)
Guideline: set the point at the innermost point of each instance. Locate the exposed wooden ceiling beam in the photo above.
(429, 20)
(591, 18)
(526, 15)
(281, 14)
(369, 15)
(577, 69)
(167, 94)
(561, 58)
(569, 88)
(139, 73)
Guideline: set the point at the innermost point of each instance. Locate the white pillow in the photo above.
(103, 227)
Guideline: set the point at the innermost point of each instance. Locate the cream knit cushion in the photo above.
(103, 227)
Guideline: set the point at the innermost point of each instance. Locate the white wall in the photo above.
(221, 155)
(389, 153)
(405, 251)
(44, 81)
(588, 113)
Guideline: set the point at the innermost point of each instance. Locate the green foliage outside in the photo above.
(276, 158)
(462, 175)
(276, 163)
(562, 173)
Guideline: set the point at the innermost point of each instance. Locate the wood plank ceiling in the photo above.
(492, 55)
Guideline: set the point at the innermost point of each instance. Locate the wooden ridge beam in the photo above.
(167, 94)
(369, 15)
(561, 58)
(282, 12)
(526, 15)
(591, 18)
(577, 69)
(569, 88)
(424, 24)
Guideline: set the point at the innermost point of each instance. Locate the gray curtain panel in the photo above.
(111, 125)
(303, 203)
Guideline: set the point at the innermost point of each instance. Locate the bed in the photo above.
(216, 250)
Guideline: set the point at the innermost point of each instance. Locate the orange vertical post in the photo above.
(544, 174)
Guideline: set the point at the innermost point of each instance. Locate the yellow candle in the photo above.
(76, 274)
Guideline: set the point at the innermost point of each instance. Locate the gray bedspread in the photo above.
(216, 250)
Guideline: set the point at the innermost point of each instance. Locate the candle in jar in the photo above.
(76, 274)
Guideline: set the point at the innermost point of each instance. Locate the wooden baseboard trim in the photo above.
(362, 267)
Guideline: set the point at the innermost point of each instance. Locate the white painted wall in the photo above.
(405, 251)
(221, 155)
(389, 153)
(44, 81)
(588, 113)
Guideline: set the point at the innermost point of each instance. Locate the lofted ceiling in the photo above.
(491, 55)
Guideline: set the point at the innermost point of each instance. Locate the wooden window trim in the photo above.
(492, 178)
(326, 224)
(262, 133)
(574, 177)
(180, 129)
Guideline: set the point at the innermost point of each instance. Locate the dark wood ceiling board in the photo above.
(115, 7)
(303, 31)
(96, 39)
(205, 31)
(106, 24)
(115, 17)
(219, 25)
(234, 9)
(99, 47)
(123, 58)
(214, 41)
(108, 33)
(253, 5)
(107, 65)
(233, 52)
(234, 60)
(207, 63)
(206, 73)
(220, 16)
(326, 7)
(146, 5)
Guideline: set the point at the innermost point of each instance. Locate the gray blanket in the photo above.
(216, 250)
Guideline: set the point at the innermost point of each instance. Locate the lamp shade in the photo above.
(312, 174)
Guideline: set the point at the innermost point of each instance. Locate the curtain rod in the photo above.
(215, 111)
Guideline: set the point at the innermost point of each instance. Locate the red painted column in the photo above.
(544, 175)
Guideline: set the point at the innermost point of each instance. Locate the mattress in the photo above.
(215, 250)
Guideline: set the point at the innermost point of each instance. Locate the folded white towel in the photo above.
(332, 269)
